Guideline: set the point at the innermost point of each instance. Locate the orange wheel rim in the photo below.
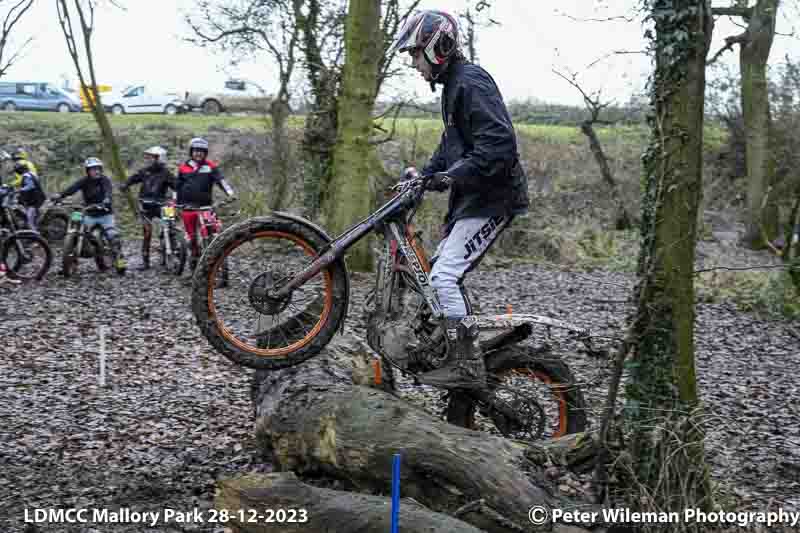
(557, 390)
(266, 352)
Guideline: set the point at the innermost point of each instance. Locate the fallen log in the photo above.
(312, 420)
(578, 452)
(322, 510)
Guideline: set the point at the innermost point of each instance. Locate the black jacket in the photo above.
(478, 148)
(195, 182)
(156, 180)
(31, 193)
(95, 191)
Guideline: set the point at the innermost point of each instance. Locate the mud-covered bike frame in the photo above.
(393, 218)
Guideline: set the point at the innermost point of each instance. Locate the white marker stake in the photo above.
(102, 376)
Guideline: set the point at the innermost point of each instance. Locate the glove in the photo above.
(409, 173)
(438, 182)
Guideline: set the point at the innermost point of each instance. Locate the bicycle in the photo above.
(20, 248)
(171, 243)
(209, 226)
(87, 241)
(298, 296)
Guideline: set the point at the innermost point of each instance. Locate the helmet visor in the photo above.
(407, 36)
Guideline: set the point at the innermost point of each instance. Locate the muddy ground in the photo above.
(168, 416)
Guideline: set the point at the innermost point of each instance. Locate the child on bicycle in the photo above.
(194, 185)
(96, 188)
(156, 180)
(477, 160)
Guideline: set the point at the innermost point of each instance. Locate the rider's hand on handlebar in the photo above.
(410, 173)
(438, 182)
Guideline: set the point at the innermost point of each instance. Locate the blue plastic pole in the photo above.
(395, 492)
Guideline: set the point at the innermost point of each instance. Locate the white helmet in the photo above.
(92, 162)
(4, 156)
(198, 143)
(159, 153)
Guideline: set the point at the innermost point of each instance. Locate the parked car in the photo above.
(36, 96)
(237, 95)
(141, 99)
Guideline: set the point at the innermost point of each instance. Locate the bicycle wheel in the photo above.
(243, 322)
(27, 256)
(539, 389)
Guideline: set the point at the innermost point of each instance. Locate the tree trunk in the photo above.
(665, 448)
(349, 199)
(753, 56)
(312, 419)
(326, 510)
(623, 220)
(792, 254)
(279, 111)
(319, 135)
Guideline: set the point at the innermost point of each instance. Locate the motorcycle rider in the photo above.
(155, 180)
(96, 188)
(31, 194)
(477, 159)
(20, 156)
(194, 185)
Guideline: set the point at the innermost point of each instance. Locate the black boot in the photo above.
(145, 251)
(465, 368)
(145, 262)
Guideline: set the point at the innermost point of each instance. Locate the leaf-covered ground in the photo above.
(173, 416)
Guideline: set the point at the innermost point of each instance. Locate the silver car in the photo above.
(36, 96)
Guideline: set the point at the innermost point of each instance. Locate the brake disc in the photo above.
(514, 413)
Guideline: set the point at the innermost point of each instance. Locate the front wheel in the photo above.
(53, 225)
(176, 259)
(243, 322)
(27, 256)
(69, 257)
(538, 392)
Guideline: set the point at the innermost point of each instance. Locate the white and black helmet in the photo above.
(157, 152)
(92, 162)
(198, 143)
(434, 32)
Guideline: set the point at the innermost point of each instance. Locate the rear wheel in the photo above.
(540, 391)
(27, 257)
(211, 107)
(244, 322)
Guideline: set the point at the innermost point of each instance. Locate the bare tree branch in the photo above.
(729, 42)
(735, 11)
(12, 17)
